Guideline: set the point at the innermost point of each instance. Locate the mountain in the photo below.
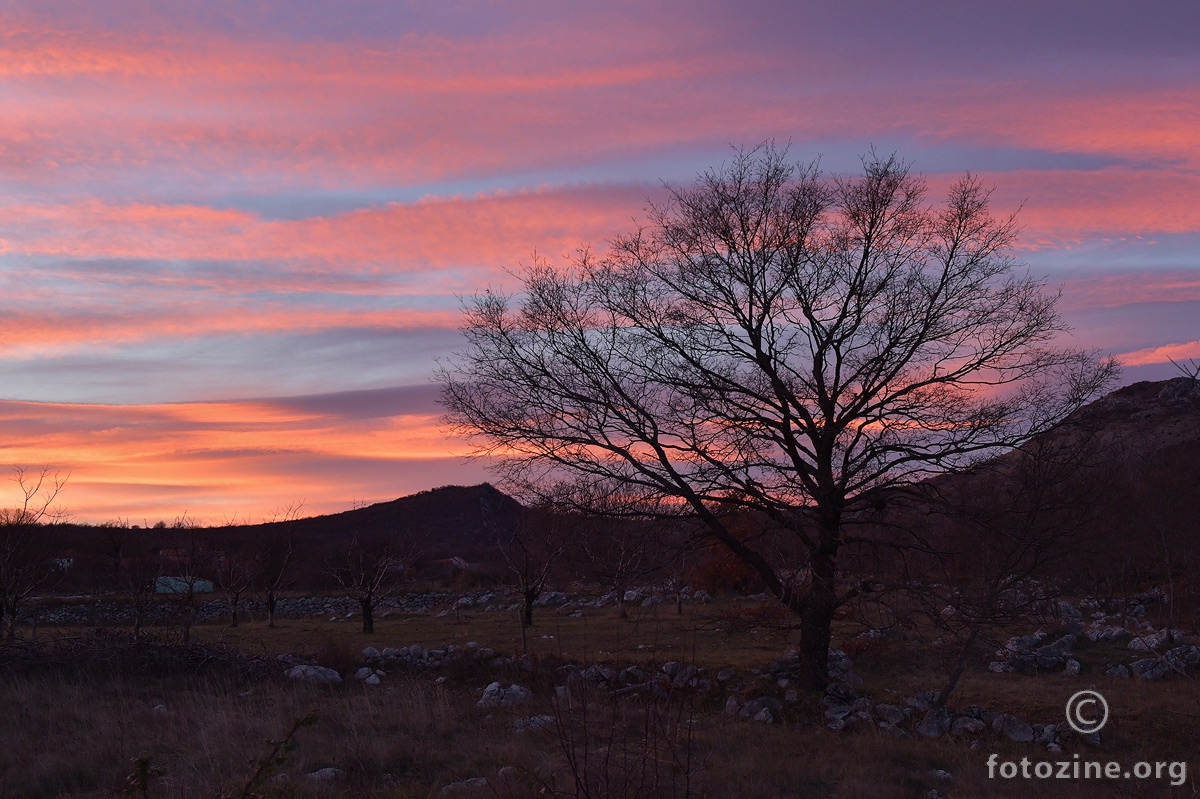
(452, 520)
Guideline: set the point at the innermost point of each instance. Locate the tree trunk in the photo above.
(527, 611)
(368, 614)
(956, 672)
(817, 621)
(233, 613)
(271, 610)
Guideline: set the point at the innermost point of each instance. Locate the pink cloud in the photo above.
(1165, 354)
(215, 459)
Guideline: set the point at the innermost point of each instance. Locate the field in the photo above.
(115, 727)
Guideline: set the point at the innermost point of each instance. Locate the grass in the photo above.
(76, 733)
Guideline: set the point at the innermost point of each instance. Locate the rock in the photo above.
(1105, 632)
(1072, 668)
(491, 696)
(964, 726)
(314, 674)
(1150, 668)
(725, 675)
(533, 723)
(752, 708)
(326, 774)
(765, 716)
(364, 673)
(1183, 656)
(732, 708)
(1068, 612)
(1120, 671)
(936, 723)
(942, 774)
(160, 710)
(1019, 644)
(597, 674)
(891, 730)
(837, 725)
(371, 680)
(996, 667)
(891, 714)
(684, 676)
(370, 654)
(464, 785)
(516, 695)
(1054, 749)
(924, 700)
(1092, 739)
(1053, 655)
(631, 675)
(842, 692)
(1013, 728)
(670, 668)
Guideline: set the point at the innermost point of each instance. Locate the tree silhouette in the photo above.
(775, 341)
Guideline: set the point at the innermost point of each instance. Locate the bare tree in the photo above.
(617, 553)
(237, 572)
(776, 341)
(992, 548)
(537, 543)
(185, 563)
(372, 569)
(28, 557)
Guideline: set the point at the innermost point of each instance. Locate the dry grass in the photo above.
(70, 733)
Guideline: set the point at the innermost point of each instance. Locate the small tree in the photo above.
(373, 569)
(184, 561)
(237, 572)
(780, 342)
(28, 557)
(531, 554)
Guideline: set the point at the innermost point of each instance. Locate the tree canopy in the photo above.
(775, 340)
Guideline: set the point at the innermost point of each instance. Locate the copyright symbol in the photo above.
(1087, 712)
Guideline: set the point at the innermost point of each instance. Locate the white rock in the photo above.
(314, 674)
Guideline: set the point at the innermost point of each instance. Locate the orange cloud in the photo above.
(216, 459)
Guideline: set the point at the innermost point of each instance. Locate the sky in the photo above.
(235, 235)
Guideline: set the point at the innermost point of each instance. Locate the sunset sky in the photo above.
(233, 235)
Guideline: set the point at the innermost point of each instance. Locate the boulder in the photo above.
(754, 707)
(1013, 728)
(527, 723)
(1120, 671)
(1072, 668)
(841, 692)
(923, 701)
(965, 726)
(1053, 655)
(1181, 657)
(1150, 668)
(314, 674)
(326, 774)
(891, 714)
(936, 723)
